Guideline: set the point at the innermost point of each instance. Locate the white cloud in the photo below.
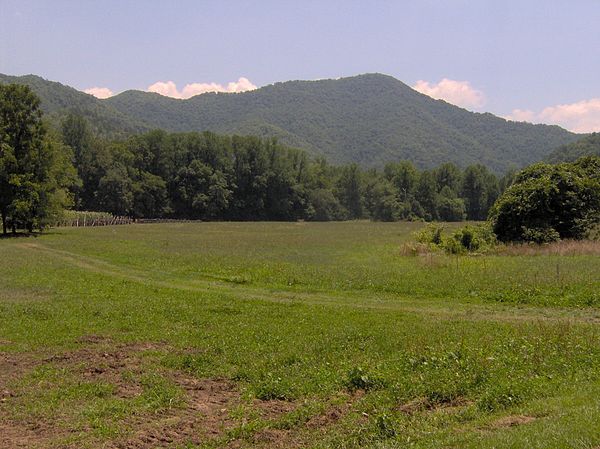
(169, 88)
(580, 117)
(99, 92)
(460, 93)
(521, 115)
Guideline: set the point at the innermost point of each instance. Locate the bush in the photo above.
(547, 202)
(471, 238)
(478, 238)
(540, 235)
(430, 234)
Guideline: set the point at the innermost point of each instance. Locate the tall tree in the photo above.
(404, 176)
(474, 191)
(35, 170)
(426, 195)
(349, 188)
(448, 175)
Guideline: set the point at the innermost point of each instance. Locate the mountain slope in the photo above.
(586, 146)
(58, 100)
(370, 119)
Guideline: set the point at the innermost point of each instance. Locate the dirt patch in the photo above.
(277, 439)
(273, 408)
(20, 434)
(203, 413)
(13, 365)
(423, 404)
(328, 418)
(29, 436)
(293, 438)
(204, 416)
(511, 421)
(336, 412)
(91, 339)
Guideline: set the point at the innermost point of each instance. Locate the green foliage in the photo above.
(586, 146)
(449, 206)
(59, 101)
(431, 234)
(369, 119)
(540, 235)
(548, 202)
(478, 238)
(35, 168)
(470, 238)
(358, 379)
(272, 387)
(480, 190)
(211, 177)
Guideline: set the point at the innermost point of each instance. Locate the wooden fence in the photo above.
(83, 220)
(78, 219)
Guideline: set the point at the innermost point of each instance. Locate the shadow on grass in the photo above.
(24, 234)
(19, 235)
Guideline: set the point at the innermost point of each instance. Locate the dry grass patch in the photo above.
(560, 248)
(511, 421)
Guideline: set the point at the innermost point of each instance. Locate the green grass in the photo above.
(330, 319)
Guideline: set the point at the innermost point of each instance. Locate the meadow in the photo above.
(317, 335)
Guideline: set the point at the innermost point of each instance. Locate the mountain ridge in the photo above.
(370, 119)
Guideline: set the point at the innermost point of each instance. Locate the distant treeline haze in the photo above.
(214, 177)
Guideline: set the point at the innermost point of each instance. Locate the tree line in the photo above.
(211, 177)
(214, 177)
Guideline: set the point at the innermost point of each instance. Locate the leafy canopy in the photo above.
(547, 202)
(35, 168)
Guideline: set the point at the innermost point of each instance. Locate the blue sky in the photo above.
(530, 60)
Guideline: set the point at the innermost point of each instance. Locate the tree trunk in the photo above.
(4, 228)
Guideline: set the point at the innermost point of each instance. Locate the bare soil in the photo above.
(203, 413)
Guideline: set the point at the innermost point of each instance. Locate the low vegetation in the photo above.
(477, 238)
(313, 335)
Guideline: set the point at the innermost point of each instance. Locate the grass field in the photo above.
(206, 335)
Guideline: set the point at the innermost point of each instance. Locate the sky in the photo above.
(527, 60)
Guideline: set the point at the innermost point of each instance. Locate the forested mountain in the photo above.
(369, 119)
(58, 100)
(586, 146)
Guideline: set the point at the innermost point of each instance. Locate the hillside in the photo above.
(369, 119)
(58, 99)
(586, 146)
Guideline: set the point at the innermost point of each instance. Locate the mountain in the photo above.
(369, 119)
(57, 100)
(586, 146)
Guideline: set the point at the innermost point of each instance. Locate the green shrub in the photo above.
(547, 202)
(478, 238)
(359, 379)
(540, 235)
(430, 234)
(471, 238)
